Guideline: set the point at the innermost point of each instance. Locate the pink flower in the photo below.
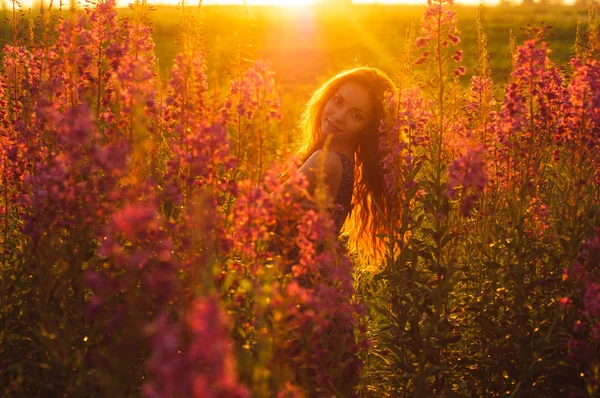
(458, 54)
(565, 302)
(421, 41)
(468, 171)
(136, 220)
(460, 71)
(183, 364)
(581, 98)
(402, 134)
(439, 20)
(534, 93)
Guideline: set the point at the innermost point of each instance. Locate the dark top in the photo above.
(343, 199)
(342, 206)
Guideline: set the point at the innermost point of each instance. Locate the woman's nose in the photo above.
(338, 116)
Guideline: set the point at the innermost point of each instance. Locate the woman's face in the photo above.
(348, 112)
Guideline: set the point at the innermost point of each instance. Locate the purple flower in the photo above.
(421, 41)
(458, 54)
(468, 171)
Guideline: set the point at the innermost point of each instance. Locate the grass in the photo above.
(306, 45)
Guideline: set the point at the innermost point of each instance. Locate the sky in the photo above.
(308, 2)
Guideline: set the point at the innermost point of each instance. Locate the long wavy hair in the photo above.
(367, 217)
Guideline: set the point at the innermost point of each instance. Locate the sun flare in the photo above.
(288, 3)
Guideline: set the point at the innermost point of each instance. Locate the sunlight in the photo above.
(287, 3)
(273, 3)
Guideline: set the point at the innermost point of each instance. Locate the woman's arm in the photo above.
(330, 165)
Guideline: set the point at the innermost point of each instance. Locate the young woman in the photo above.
(340, 128)
(345, 113)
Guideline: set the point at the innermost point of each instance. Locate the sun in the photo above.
(286, 2)
(290, 3)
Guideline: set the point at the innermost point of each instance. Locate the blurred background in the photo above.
(307, 41)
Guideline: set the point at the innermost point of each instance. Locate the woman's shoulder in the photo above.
(331, 161)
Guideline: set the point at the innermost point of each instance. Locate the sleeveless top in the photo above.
(342, 206)
(343, 199)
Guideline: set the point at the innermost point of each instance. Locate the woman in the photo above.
(340, 129)
(344, 114)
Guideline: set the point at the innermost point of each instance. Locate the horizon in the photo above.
(309, 3)
(292, 4)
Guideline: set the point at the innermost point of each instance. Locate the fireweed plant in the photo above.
(493, 202)
(137, 218)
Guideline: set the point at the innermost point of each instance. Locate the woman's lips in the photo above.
(332, 126)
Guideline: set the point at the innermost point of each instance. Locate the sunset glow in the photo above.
(286, 3)
(306, 3)
(280, 3)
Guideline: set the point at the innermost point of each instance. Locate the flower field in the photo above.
(138, 214)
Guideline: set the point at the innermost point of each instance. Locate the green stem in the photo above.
(7, 209)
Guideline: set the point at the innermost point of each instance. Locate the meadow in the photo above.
(306, 46)
(141, 198)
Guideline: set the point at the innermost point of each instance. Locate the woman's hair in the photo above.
(367, 218)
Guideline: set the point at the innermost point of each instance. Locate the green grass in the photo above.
(306, 47)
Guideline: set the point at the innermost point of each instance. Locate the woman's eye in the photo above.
(337, 100)
(357, 116)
